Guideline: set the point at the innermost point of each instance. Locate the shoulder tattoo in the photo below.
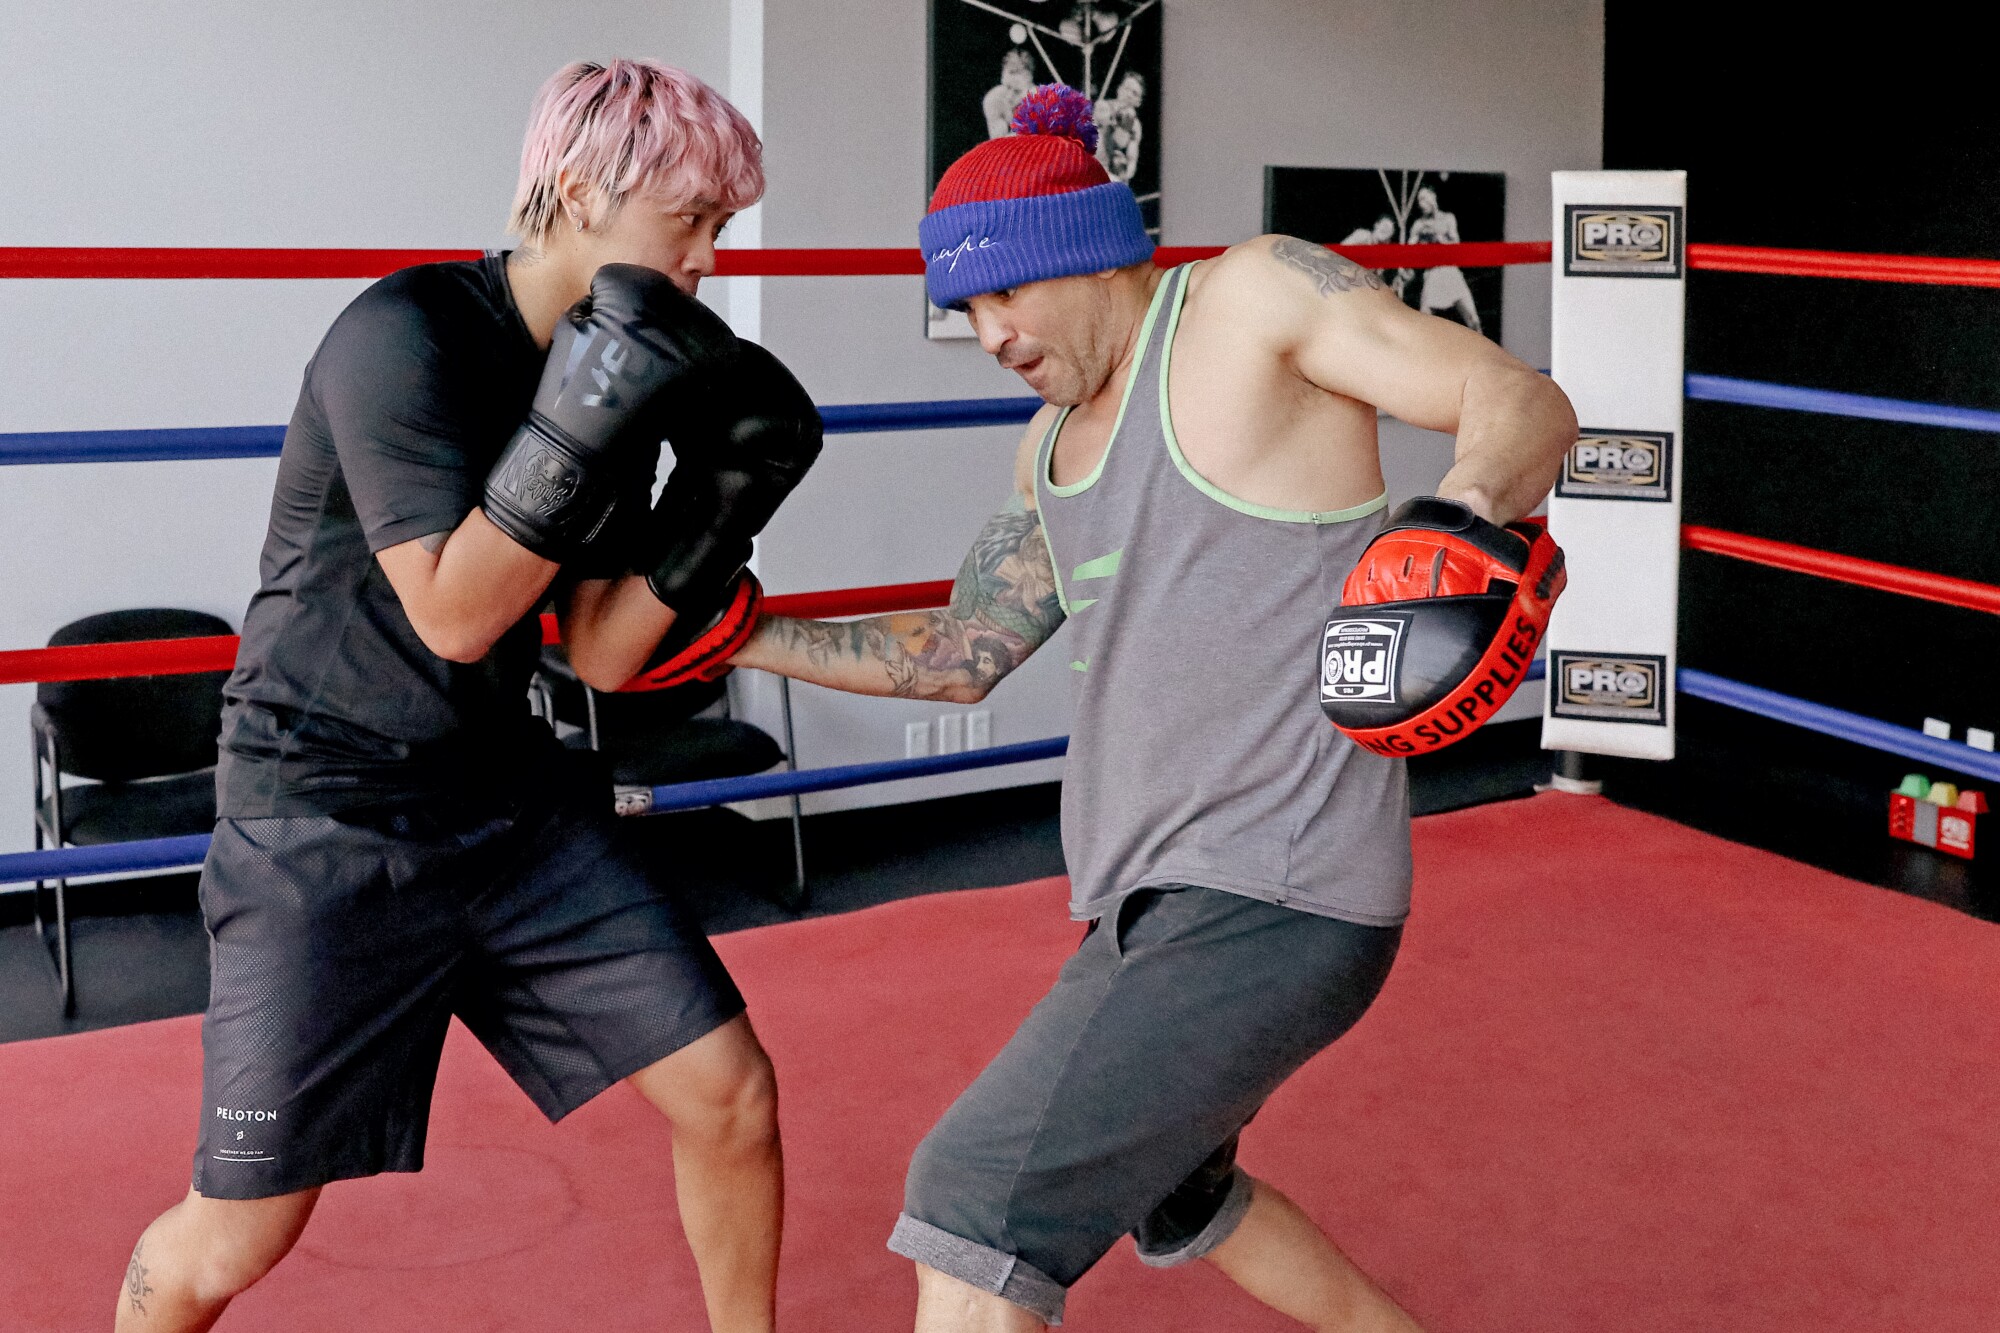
(1329, 272)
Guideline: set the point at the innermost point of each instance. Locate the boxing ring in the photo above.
(171, 656)
(1578, 1064)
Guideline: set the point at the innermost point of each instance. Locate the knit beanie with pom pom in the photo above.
(1034, 204)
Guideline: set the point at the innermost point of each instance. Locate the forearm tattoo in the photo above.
(1329, 272)
(136, 1287)
(1003, 607)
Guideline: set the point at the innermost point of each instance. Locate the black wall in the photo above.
(1853, 141)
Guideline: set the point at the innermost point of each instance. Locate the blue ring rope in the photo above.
(1837, 722)
(720, 791)
(110, 858)
(202, 443)
(1827, 402)
(167, 853)
(196, 444)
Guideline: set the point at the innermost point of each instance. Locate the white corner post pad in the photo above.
(1619, 293)
(744, 297)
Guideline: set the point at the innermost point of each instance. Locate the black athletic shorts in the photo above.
(1115, 1108)
(342, 945)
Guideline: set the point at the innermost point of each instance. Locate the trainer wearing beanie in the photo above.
(1204, 476)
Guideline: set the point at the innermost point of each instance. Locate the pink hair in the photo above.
(634, 128)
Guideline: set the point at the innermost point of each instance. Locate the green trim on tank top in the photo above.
(1101, 568)
(1055, 565)
(1124, 401)
(1215, 492)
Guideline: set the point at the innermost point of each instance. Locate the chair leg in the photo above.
(796, 899)
(58, 949)
(65, 973)
(48, 832)
(41, 886)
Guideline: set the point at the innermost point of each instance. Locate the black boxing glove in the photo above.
(1436, 627)
(735, 460)
(637, 343)
(620, 540)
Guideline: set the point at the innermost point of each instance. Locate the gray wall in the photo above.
(229, 123)
(367, 123)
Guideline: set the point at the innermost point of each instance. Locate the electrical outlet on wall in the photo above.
(979, 729)
(916, 740)
(951, 733)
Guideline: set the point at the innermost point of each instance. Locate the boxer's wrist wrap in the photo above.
(543, 494)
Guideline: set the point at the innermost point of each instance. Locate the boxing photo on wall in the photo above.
(1384, 206)
(987, 54)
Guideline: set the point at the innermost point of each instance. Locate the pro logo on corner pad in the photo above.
(1622, 241)
(1609, 687)
(1618, 465)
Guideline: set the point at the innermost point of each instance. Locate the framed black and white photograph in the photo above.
(1385, 206)
(987, 54)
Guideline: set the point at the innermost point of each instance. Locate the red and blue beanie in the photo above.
(1035, 204)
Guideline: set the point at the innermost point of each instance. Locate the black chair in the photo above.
(656, 737)
(146, 745)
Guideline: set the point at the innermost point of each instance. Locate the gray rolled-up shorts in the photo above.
(1115, 1108)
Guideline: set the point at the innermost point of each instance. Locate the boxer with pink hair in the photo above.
(399, 842)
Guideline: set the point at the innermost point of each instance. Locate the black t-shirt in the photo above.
(335, 702)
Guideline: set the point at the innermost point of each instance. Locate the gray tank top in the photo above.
(1198, 754)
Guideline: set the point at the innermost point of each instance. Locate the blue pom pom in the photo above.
(1057, 108)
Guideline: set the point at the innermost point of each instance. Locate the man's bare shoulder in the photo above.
(1284, 286)
(1030, 449)
(1289, 261)
(1269, 273)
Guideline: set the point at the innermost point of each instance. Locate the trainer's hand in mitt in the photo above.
(698, 646)
(1436, 626)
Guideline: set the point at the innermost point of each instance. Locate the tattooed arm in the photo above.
(1003, 607)
(1335, 324)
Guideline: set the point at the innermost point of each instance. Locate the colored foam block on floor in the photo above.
(1944, 818)
(1955, 833)
(1903, 816)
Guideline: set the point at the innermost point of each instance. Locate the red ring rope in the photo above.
(144, 262)
(1927, 269)
(1845, 568)
(861, 601)
(174, 657)
(103, 661)
(140, 262)
(161, 657)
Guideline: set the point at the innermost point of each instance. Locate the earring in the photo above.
(577, 218)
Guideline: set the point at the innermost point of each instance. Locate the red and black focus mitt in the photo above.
(1436, 626)
(698, 647)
